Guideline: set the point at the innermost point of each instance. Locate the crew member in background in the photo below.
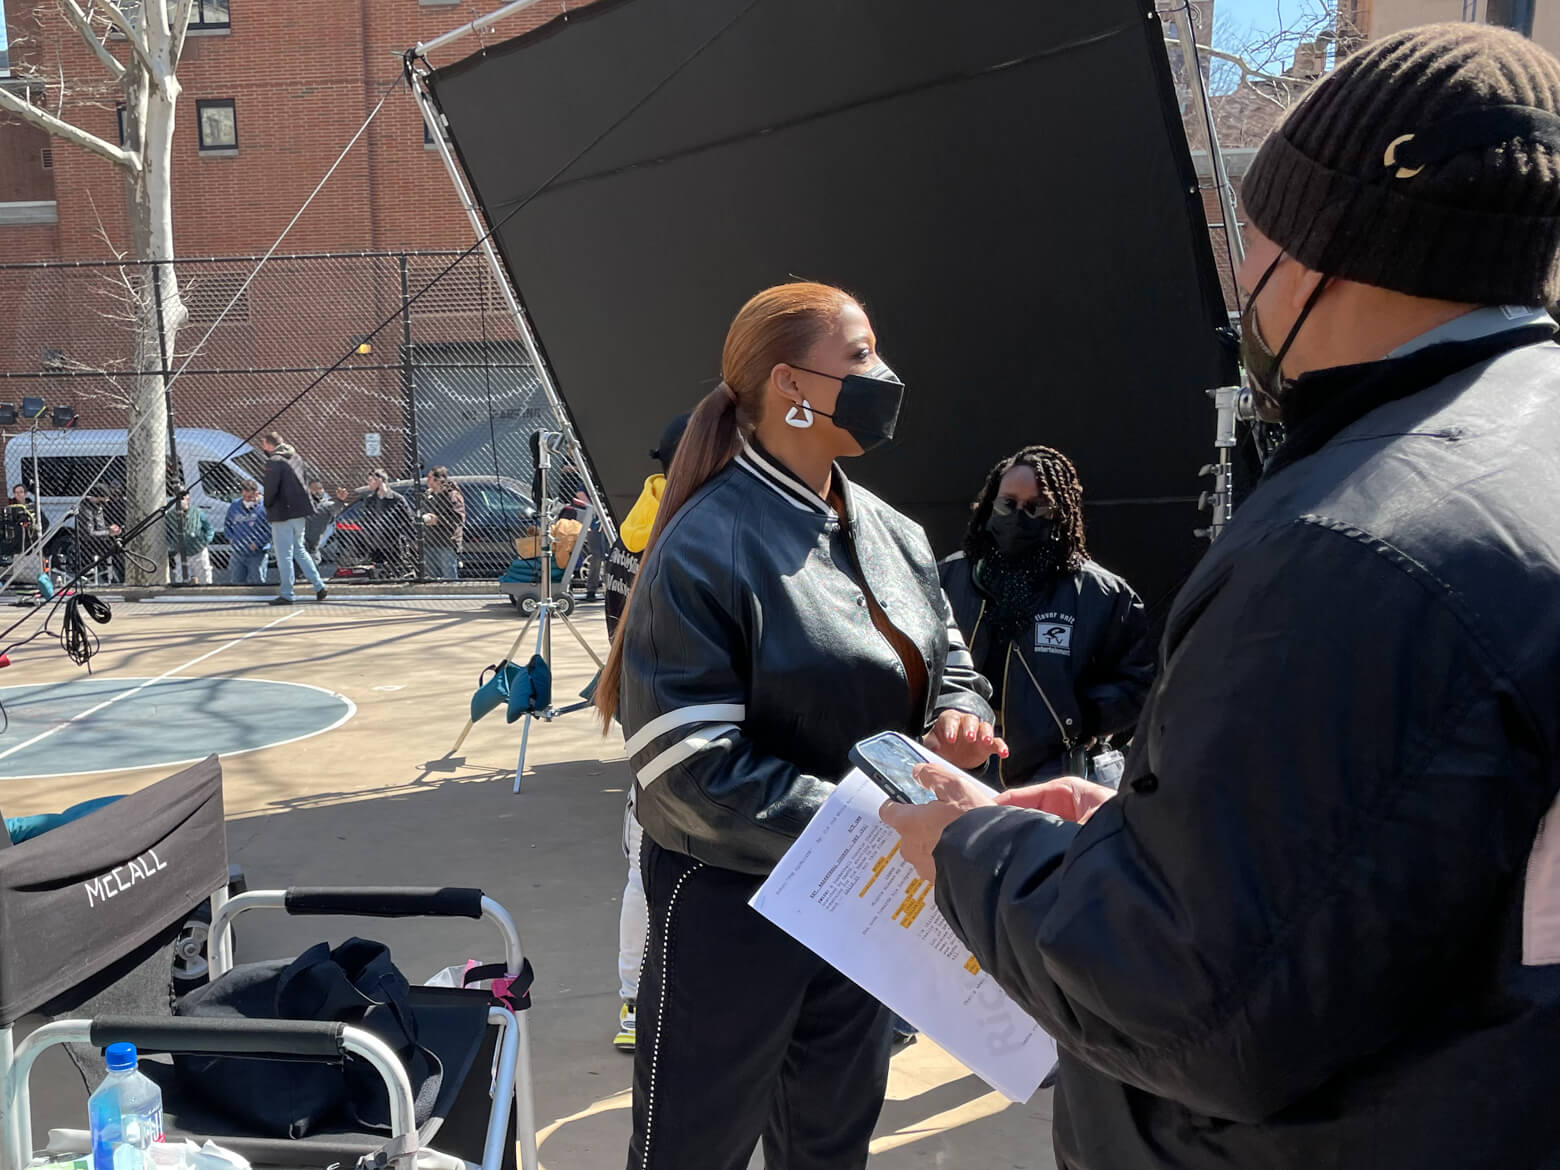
(1062, 640)
(622, 566)
(444, 515)
(782, 614)
(288, 508)
(190, 532)
(19, 516)
(325, 510)
(95, 534)
(248, 536)
(1320, 925)
(388, 521)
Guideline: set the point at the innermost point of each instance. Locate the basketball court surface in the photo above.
(335, 723)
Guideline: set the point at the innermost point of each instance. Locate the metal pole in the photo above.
(482, 22)
(1221, 176)
(37, 495)
(431, 118)
(409, 402)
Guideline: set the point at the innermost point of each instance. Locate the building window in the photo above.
(210, 14)
(46, 157)
(124, 131)
(218, 122)
(1517, 14)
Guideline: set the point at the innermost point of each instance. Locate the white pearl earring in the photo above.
(800, 417)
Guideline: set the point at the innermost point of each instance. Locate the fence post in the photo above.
(409, 405)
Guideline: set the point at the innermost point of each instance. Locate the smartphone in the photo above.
(889, 761)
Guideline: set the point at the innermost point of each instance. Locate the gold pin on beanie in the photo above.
(1428, 163)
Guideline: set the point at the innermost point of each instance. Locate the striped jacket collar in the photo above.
(786, 484)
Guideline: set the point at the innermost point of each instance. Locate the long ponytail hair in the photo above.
(780, 324)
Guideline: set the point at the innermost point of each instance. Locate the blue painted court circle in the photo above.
(115, 724)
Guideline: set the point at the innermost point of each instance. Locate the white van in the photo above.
(69, 461)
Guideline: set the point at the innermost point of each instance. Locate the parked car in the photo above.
(497, 511)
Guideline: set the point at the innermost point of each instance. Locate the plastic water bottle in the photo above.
(125, 1114)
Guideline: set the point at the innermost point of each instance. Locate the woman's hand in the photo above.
(920, 826)
(1067, 797)
(965, 741)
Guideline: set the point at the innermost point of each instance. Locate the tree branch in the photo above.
(78, 18)
(1247, 72)
(136, 36)
(60, 128)
(181, 26)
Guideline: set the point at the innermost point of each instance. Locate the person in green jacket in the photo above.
(189, 535)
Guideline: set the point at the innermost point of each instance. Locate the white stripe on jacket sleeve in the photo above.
(682, 750)
(684, 717)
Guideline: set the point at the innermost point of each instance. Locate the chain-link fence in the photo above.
(437, 376)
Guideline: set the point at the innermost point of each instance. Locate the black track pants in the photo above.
(744, 1033)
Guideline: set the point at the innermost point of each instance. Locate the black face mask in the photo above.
(1020, 535)
(1264, 368)
(868, 406)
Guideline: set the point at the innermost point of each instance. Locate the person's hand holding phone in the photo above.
(920, 826)
(1068, 797)
(964, 740)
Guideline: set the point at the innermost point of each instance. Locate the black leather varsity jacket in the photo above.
(751, 662)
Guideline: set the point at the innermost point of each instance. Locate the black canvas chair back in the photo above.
(85, 905)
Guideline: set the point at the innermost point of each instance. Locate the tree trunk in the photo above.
(151, 219)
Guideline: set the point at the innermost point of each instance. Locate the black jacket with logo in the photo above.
(1087, 649)
(751, 663)
(1320, 927)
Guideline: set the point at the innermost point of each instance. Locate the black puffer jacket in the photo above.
(1086, 653)
(1316, 931)
(752, 664)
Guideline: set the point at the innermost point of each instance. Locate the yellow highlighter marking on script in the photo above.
(878, 867)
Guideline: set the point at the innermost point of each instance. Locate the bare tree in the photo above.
(138, 45)
(1255, 74)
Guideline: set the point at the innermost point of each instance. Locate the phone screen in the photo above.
(893, 762)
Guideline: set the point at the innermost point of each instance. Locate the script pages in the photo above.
(843, 891)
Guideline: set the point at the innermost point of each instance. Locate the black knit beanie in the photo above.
(1467, 209)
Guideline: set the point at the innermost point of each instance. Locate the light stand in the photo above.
(1232, 405)
(547, 609)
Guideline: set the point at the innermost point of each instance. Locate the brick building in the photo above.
(271, 93)
(283, 89)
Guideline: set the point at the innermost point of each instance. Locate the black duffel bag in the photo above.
(355, 984)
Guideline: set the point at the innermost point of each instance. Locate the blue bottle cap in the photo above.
(120, 1057)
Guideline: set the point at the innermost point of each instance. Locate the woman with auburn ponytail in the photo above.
(781, 614)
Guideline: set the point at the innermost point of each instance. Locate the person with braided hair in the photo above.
(1063, 640)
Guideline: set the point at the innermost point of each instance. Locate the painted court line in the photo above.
(42, 735)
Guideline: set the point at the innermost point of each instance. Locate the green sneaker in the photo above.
(624, 1040)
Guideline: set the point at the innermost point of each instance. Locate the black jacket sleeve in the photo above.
(683, 707)
(962, 687)
(271, 495)
(1113, 687)
(1342, 792)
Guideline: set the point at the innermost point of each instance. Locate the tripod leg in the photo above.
(461, 739)
(580, 638)
(525, 736)
(543, 646)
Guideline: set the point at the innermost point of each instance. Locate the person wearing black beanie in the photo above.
(1320, 926)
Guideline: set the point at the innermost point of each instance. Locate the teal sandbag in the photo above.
(534, 691)
(495, 691)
